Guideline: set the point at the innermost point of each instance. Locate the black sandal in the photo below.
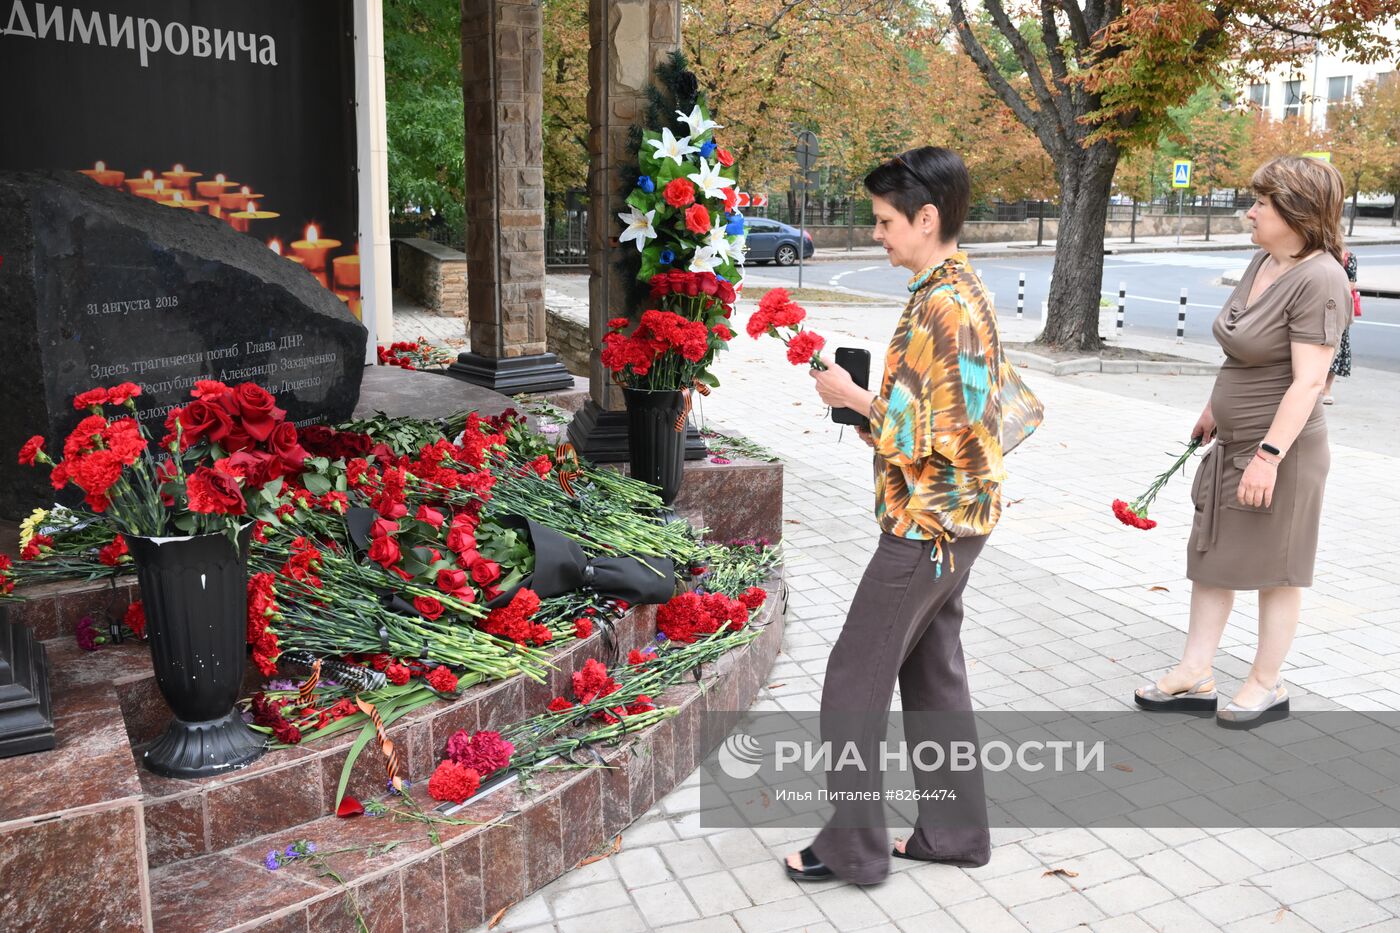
(812, 868)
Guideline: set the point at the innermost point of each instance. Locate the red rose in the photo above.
(731, 200)
(385, 551)
(255, 468)
(697, 219)
(213, 492)
(383, 527)
(726, 293)
(398, 674)
(460, 539)
(451, 581)
(486, 571)
(453, 782)
(258, 409)
(429, 606)
(31, 450)
(679, 193)
(431, 516)
(283, 442)
(725, 157)
(442, 680)
(199, 419)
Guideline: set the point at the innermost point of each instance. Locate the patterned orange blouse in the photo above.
(948, 408)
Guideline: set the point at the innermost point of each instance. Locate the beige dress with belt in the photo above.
(1245, 547)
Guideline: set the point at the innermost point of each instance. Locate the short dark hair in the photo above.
(927, 175)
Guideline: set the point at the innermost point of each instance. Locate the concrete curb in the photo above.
(1094, 364)
(975, 250)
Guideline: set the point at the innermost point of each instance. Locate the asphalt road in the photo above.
(1154, 282)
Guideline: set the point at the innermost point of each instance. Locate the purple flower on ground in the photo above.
(281, 685)
(292, 851)
(273, 860)
(310, 848)
(86, 634)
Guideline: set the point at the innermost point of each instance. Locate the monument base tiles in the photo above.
(99, 288)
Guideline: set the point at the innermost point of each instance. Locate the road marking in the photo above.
(1163, 301)
(1375, 323)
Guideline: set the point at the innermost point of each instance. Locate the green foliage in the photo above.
(423, 92)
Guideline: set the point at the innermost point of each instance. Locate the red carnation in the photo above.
(697, 219)
(618, 323)
(428, 606)
(442, 679)
(135, 619)
(722, 332)
(804, 347)
(484, 752)
(582, 628)
(32, 450)
(112, 554)
(397, 673)
(679, 193)
(558, 705)
(121, 394)
(592, 681)
(453, 782)
(753, 597)
(92, 398)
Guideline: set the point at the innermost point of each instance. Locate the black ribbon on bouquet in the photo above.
(560, 567)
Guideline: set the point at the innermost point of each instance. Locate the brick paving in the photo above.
(1066, 609)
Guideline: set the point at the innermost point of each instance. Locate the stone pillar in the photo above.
(502, 58)
(627, 40)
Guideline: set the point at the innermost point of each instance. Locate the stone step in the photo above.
(520, 838)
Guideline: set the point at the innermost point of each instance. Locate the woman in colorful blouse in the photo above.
(947, 410)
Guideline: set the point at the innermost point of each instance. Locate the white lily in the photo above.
(706, 259)
(710, 182)
(639, 228)
(719, 242)
(669, 147)
(697, 121)
(737, 247)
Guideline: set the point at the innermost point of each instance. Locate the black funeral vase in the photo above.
(655, 444)
(195, 594)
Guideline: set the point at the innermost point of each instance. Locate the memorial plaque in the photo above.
(98, 287)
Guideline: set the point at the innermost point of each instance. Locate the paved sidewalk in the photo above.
(1066, 609)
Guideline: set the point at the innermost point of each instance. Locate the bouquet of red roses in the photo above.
(226, 442)
(776, 310)
(674, 345)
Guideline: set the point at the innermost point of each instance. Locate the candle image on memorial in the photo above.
(232, 201)
(104, 176)
(242, 221)
(313, 251)
(346, 279)
(191, 204)
(211, 190)
(147, 180)
(275, 245)
(159, 191)
(179, 178)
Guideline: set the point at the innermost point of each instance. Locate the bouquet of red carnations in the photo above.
(673, 346)
(777, 312)
(226, 442)
(1134, 514)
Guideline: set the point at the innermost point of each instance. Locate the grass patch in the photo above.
(816, 296)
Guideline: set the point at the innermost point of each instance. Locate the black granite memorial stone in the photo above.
(98, 287)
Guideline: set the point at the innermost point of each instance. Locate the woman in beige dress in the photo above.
(1258, 489)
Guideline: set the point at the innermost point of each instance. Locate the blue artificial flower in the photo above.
(646, 184)
(707, 151)
(720, 277)
(736, 224)
(667, 257)
(273, 861)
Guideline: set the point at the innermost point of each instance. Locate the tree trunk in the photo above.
(1351, 227)
(1086, 182)
(1395, 209)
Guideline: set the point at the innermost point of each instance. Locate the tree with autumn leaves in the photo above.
(1098, 79)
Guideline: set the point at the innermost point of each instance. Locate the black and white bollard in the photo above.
(1181, 319)
(1122, 302)
(1021, 296)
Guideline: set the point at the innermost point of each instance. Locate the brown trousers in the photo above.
(904, 623)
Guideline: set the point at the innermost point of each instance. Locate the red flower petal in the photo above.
(349, 806)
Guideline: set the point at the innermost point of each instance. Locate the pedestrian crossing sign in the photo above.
(1181, 173)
